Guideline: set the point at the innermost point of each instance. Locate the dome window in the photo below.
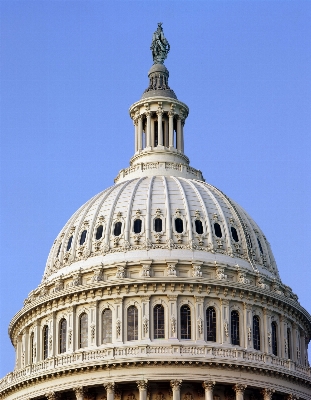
(179, 225)
(217, 228)
(185, 322)
(62, 335)
(107, 326)
(256, 333)
(235, 328)
(260, 247)
(99, 232)
(289, 344)
(198, 227)
(83, 334)
(132, 323)
(83, 237)
(158, 321)
(211, 324)
(158, 225)
(234, 234)
(274, 339)
(69, 243)
(117, 228)
(137, 226)
(58, 251)
(45, 342)
(32, 348)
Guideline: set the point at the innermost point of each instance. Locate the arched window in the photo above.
(179, 225)
(62, 335)
(274, 339)
(235, 328)
(260, 247)
(234, 234)
(99, 232)
(289, 344)
(158, 225)
(256, 332)
(83, 330)
(58, 251)
(107, 326)
(185, 322)
(45, 344)
(32, 348)
(117, 228)
(217, 228)
(132, 323)
(137, 226)
(158, 321)
(211, 324)
(69, 243)
(198, 227)
(83, 237)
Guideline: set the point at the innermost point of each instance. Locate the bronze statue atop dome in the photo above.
(159, 46)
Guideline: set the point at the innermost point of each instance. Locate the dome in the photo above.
(212, 228)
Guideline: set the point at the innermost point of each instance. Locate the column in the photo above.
(294, 341)
(172, 315)
(175, 385)
(93, 324)
(79, 392)
(199, 300)
(239, 391)
(37, 342)
(303, 349)
(117, 333)
(160, 132)
(110, 390)
(145, 331)
(267, 394)
(209, 388)
(140, 132)
(283, 337)
(267, 332)
(152, 132)
(70, 330)
(224, 322)
(179, 144)
(148, 133)
(52, 396)
(165, 132)
(19, 350)
(26, 347)
(171, 129)
(142, 386)
(182, 134)
(135, 122)
(248, 326)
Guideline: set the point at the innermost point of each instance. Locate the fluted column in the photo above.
(160, 133)
(175, 385)
(135, 122)
(291, 396)
(209, 388)
(179, 133)
(267, 394)
(182, 135)
(239, 391)
(110, 390)
(140, 133)
(52, 396)
(79, 392)
(142, 386)
(148, 133)
(171, 129)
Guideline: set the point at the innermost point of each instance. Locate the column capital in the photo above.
(175, 384)
(208, 385)
(109, 386)
(142, 385)
(52, 396)
(267, 393)
(239, 388)
(291, 396)
(79, 392)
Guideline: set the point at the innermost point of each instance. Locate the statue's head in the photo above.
(160, 26)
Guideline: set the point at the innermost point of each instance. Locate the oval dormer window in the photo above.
(137, 226)
(179, 225)
(69, 243)
(99, 232)
(83, 237)
(117, 229)
(234, 234)
(158, 225)
(217, 228)
(198, 227)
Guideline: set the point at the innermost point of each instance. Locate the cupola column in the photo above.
(175, 385)
(110, 390)
(209, 388)
(79, 392)
(160, 132)
(142, 386)
(179, 134)
(140, 133)
(182, 135)
(136, 135)
(148, 136)
(267, 394)
(171, 129)
(239, 391)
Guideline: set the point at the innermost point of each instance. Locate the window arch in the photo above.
(32, 348)
(198, 227)
(83, 330)
(185, 322)
(179, 225)
(217, 229)
(58, 251)
(107, 326)
(83, 237)
(137, 225)
(69, 243)
(132, 323)
(234, 234)
(289, 344)
(260, 247)
(117, 228)
(235, 328)
(158, 224)
(256, 332)
(158, 322)
(99, 232)
(45, 342)
(62, 335)
(211, 324)
(274, 338)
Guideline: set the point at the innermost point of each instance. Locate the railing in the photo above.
(147, 352)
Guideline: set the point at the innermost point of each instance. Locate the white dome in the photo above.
(167, 198)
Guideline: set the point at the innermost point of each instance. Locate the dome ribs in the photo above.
(148, 211)
(168, 211)
(186, 206)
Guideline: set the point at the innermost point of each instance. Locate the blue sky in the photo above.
(69, 72)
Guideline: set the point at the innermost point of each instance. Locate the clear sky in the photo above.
(71, 69)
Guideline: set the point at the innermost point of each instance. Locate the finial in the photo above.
(159, 46)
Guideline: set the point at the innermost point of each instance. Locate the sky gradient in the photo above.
(69, 71)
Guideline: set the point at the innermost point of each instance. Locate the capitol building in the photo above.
(160, 287)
